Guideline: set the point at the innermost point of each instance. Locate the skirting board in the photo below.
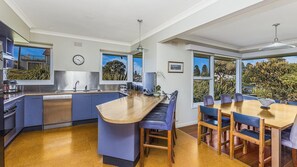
(179, 125)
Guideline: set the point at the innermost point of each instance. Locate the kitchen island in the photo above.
(118, 131)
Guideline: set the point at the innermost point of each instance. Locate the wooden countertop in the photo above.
(279, 116)
(130, 109)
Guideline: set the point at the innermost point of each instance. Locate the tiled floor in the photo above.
(77, 146)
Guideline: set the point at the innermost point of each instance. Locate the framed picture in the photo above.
(175, 67)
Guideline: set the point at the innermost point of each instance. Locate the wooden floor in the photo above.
(251, 158)
(77, 146)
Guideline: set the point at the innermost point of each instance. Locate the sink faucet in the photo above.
(75, 85)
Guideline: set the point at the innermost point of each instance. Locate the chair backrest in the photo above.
(225, 98)
(238, 97)
(206, 111)
(208, 100)
(170, 111)
(293, 134)
(246, 119)
(292, 103)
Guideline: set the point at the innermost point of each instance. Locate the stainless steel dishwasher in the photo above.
(57, 111)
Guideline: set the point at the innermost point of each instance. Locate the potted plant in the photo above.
(157, 91)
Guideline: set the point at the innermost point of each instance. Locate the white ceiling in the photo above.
(103, 19)
(252, 28)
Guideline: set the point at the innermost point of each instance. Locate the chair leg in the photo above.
(219, 141)
(175, 135)
(231, 138)
(244, 146)
(199, 134)
(261, 154)
(210, 134)
(169, 147)
(141, 147)
(147, 141)
(294, 157)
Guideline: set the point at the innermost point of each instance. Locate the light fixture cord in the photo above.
(140, 21)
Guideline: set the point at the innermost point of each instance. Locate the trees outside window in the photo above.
(114, 67)
(137, 67)
(224, 77)
(274, 78)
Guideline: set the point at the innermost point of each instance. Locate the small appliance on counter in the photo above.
(10, 86)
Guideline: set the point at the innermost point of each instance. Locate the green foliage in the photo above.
(205, 72)
(201, 88)
(225, 78)
(196, 70)
(158, 88)
(114, 70)
(274, 78)
(37, 73)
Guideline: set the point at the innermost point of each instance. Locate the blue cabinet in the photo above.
(81, 107)
(100, 99)
(20, 115)
(33, 111)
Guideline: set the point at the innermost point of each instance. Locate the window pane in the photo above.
(224, 77)
(30, 63)
(271, 78)
(114, 67)
(201, 65)
(201, 88)
(137, 67)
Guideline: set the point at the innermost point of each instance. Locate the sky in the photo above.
(27, 50)
(200, 61)
(137, 61)
(290, 59)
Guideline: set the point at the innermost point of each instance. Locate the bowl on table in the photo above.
(266, 102)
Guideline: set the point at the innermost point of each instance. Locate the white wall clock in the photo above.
(78, 59)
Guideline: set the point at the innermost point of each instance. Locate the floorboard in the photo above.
(77, 147)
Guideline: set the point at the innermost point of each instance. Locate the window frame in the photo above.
(212, 56)
(39, 82)
(129, 69)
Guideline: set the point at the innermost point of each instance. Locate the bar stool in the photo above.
(256, 137)
(158, 122)
(215, 124)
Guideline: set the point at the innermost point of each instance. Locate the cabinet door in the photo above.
(81, 107)
(33, 110)
(20, 115)
(100, 99)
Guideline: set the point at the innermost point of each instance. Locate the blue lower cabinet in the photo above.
(81, 107)
(33, 111)
(20, 115)
(100, 99)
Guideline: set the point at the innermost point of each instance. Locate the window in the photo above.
(114, 67)
(30, 63)
(201, 76)
(224, 77)
(270, 77)
(137, 67)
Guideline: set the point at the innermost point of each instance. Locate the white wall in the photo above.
(175, 51)
(8, 17)
(64, 50)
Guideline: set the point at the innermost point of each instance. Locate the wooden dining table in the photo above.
(278, 118)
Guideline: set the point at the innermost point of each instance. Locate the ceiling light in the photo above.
(139, 48)
(276, 43)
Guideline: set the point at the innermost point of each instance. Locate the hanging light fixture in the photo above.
(139, 48)
(276, 43)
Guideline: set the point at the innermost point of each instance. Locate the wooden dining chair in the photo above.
(256, 137)
(289, 139)
(214, 124)
(208, 100)
(238, 97)
(225, 99)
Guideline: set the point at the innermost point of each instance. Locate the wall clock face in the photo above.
(78, 59)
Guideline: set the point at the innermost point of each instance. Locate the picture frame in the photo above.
(175, 67)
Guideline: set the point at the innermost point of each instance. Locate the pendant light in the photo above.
(139, 48)
(276, 43)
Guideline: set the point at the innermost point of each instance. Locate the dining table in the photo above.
(278, 118)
